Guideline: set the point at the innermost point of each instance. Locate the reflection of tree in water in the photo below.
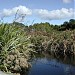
(68, 70)
(63, 59)
(69, 60)
(63, 64)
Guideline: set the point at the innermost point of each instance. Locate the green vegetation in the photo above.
(18, 42)
(14, 46)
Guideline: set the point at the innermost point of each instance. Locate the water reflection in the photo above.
(49, 65)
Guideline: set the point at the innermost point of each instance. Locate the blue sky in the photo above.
(52, 11)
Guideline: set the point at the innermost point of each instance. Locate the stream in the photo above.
(49, 65)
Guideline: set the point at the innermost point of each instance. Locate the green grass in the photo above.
(12, 38)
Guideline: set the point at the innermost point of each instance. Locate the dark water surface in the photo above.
(48, 65)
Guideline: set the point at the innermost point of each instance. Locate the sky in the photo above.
(36, 11)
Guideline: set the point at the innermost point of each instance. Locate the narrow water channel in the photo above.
(49, 65)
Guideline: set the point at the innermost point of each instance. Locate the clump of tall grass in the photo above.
(12, 38)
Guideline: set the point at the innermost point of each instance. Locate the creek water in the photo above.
(50, 65)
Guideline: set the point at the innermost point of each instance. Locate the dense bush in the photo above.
(14, 44)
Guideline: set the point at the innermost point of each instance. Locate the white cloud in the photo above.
(55, 14)
(67, 1)
(21, 10)
(42, 13)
